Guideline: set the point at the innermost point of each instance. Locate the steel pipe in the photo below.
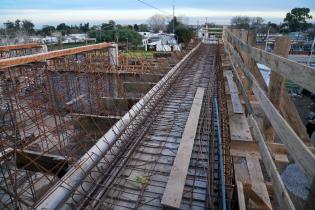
(218, 124)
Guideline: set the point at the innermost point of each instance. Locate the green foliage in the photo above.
(28, 26)
(184, 34)
(143, 28)
(273, 27)
(84, 27)
(177, 24)
(47, 30)
(241, 22)
(139, 54)
(24, 26)
(141, 180)
(62, 27)
(296, 20)
(121, 35)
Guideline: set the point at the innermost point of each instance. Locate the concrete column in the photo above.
(113, 55)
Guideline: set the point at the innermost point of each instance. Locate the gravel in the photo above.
(296, 181)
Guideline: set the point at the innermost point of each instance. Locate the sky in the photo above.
(52, 12)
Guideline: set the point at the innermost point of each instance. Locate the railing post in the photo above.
(280, 98)
(250, 63)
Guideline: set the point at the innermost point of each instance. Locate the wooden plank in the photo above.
(300, 74)
(236, 102)
(280, 98)
(9, 62)
(249, 37)
(298, 150)
(241, 170)
(257, 181)
(240, 196)
(241, 148)
(239, 128)
(20, 47)
(175, 185)
(280, 191)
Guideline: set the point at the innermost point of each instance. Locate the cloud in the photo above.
(54, 16)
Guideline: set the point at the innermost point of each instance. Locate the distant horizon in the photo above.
(132, 12)
(218, 17)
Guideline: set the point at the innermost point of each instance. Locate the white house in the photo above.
(75, 38)
(159, 42)
(50, 40)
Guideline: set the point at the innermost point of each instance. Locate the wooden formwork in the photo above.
(258, 114)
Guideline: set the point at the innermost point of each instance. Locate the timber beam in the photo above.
(11, 62)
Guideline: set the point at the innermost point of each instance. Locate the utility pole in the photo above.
(173, 16)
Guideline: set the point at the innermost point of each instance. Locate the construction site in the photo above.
(91, 128)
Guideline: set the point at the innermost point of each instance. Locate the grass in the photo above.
(138, 54)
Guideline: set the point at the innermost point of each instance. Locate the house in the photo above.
(50, 40)
(75, 38)
(162, 42)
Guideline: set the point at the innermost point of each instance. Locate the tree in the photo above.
(174, 22)
(47, 30)
(9, 25)
(17, 25)
(183, 34)
(157, 22)
(241, 22)
(108, 26)
(28, 26)
(62, 27)
(143, 27)
(257, 22)
(84, 27)
(296, 20)
(121, 34)
(136, 27)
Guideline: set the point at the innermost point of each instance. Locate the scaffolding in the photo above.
(56, 105)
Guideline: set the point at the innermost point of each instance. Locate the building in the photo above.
(209, 35)
(161, 42)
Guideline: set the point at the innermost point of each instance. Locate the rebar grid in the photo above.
(55, 107)
(139, 182)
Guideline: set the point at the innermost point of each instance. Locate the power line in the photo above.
(154, 7)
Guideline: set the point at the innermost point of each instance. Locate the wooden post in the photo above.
(252, 65)
(280, 98)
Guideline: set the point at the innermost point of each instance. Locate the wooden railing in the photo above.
(303, 76)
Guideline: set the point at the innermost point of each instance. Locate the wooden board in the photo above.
(257, 181)
(172, 196)
(236, 102)
(297, 149)
(240, 196)
(281, 193)
(239, 128)
(298, 73)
